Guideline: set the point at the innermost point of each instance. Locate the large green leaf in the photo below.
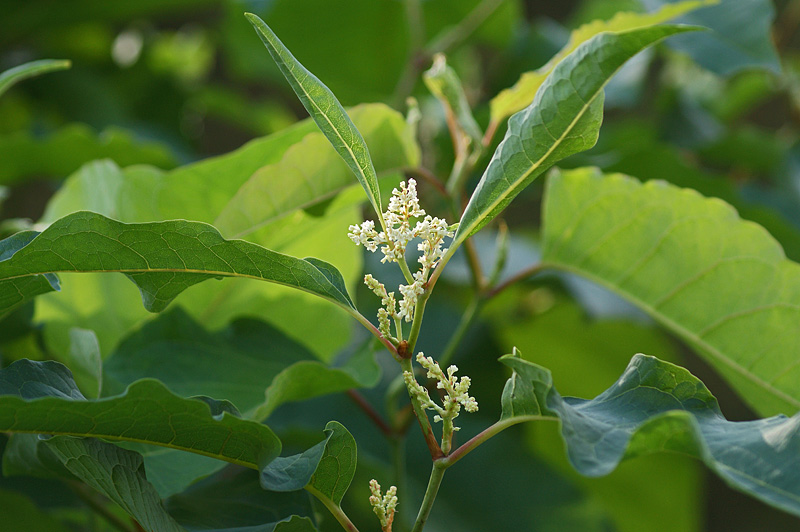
(161, 258)
(586, 356)
(326, 111)
(28, 70)
(722, 284)
(41, 397)
(518, 97)
(657, 406)
(740, 36)
(118, 474)
(263, 367)
(310, 172)
(564, 119)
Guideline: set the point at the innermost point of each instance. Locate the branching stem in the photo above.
(437, 473)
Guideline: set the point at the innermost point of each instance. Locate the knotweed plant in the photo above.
(722, 284)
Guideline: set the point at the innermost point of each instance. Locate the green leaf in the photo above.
(85, 362)
(337, 466)
(233, 501)
(310, 172)
(118, 474)
(720, 283)
(564, 119)
(740, 36)
(326, 111)
(41, 397)
(28, 70)
(263, 367)
(443, 82)
(518, 97)
(14, 292)
(292, 473)
(656, 406)
(161, 258)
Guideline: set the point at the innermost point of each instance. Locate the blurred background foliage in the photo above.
(169, 82)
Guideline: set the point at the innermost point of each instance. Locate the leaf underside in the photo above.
(657, 406)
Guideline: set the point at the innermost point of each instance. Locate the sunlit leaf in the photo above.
(564, 119)
(326, 111)
(720, 283)
(518, 97)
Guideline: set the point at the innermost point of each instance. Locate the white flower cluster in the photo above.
(455, 390)
(403, 206)
(383, 506)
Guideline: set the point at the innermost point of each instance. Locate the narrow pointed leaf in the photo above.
(161, 258)
(564, 119)
(518, 97)
(326, 111)
(656, 406)
(28, 70)
(41, 397)
(723, 284)
(119, 475)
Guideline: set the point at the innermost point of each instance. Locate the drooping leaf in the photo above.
(119, 475)
(722, 284)
(518, 97)
(656, 406)
(564, 119)
(41, 397)
(444, 83)
(337, 466)
(28, 70)
(740, 36)
(326, 111)
(161, 258)
(586, 356)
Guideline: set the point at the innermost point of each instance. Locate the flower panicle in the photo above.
(384, 506)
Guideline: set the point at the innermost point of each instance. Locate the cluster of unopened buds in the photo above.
(384, 506)
(393, 241)
(455, 395)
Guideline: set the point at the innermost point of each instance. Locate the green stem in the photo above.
(416, 325)
(333, 508)
(488, 433)
(466, 321)
(437, 473)
(406, 272)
